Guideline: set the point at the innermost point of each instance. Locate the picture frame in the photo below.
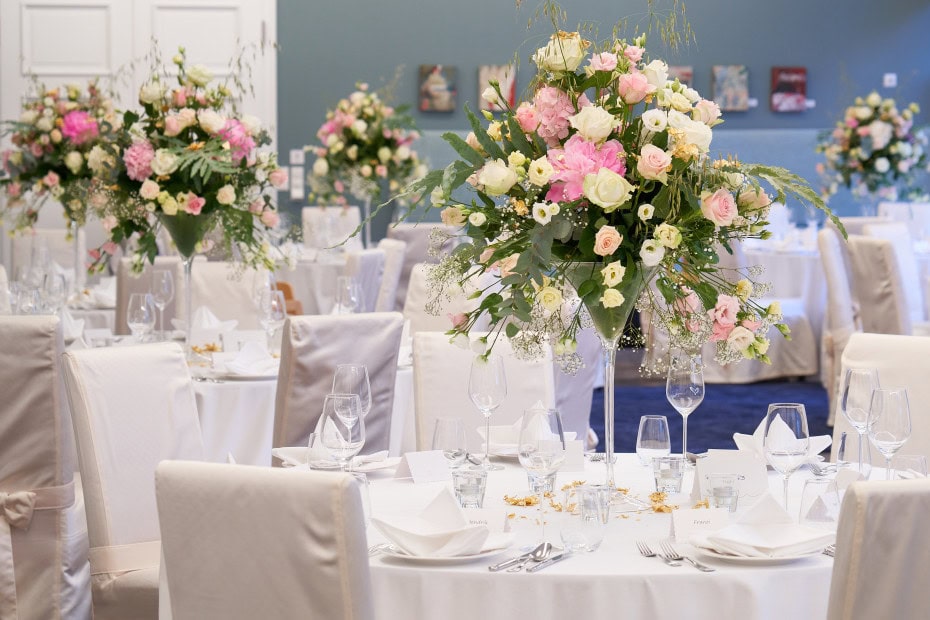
(789, 89)
(437, 88)
(731, 87)
(506, 77)
(684, 74)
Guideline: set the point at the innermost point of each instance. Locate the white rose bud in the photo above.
(74, 161)
(490, 95)
(199, 75)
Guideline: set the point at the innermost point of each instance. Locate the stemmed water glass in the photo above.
(353, 379)
(342, 427)
(855, 402)
(348, 296)
(162, 294)
(54, 293)
(684, 388)
(262, 280)
(487, 387)
(889, 422)
(272, 313)
(140, 316)
(541, 450)
(652, 439)
(786, 439)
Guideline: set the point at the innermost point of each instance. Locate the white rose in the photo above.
(862, 112)
(540, 171)
(320, 167)
(403, 152)
(252, 124)
(352, 152)
(903, 167)
(44, 124)
(564, 52)
(496, 177)
(607, 189)
(384, 154)
(874, 99)
(613, 273)
(199, 75)
(151, 92)
(477, 219)
(226, 195)
(164, 163)
(28, 117)
(740, 338)
(656, 73)
(149, 189)
(696, 133)
(211, 121)
(881, 133)
(594, 123)
(74, 161)
(365, 171)
(645, 212)
(652, 253)
(550, 298)
(654, 120)
(359, 127)
(882, 165)
(612, 298)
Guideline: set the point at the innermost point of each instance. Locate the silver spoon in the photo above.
(540, 553)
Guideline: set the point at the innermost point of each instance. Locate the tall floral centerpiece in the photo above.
(363, 143)
(874, 150)
(596, 187)
(56, 141)
(190, 164)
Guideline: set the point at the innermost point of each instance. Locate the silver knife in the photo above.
(549, 562)
(507, 563)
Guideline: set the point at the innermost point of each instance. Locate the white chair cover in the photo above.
(128, 283)
(417, 238)
(880, 569)
(43, 545)
(842, 316)
(574, 393)
(246, 542)
(4, 292)
(226, 289)
(881, 294)
(367, 267)
(902, 242)
(779, 219)
(855, 225)
(331, 226)
(440, 385)
(394, 252)
(311, 349)
(419, 294)
(901, 361)
(60, 248)
(133, 407)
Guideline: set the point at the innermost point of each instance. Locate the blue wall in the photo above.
(846, 45)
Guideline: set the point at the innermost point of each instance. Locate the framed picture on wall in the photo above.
(684, 74)
(731, 87)
(789, 89)
(506, 77)
(437, 88)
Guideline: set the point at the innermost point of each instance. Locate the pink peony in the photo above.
(527, 117)
(578, 159)
(278, 178)
(270, 218)
(633, 87)
(605, 61)
(725, 310)
(719, 207)
(194, 204)
(79, 127)
(554, 107)
(240, 142)
(138, 159)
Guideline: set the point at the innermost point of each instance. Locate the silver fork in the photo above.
(830, 550)
(822, 470)
(376, 549)
(668, 551)
(646, 552)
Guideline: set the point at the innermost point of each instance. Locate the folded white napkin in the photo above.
(440, 530)
(71, 328)
(204, 319)
(252, 359)
(297, 456)
(756, 441)
(765, 531)
(504, 438)
(103, 294)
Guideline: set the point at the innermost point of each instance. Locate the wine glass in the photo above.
(487, 387)
(272, 313)
(541, 450)
(162, 294)
(449, 436)
(353, 379)
(262, 280)
(342, 427)
(684, 388)
(855, 401)
(54, 293)
(786, 440)
(652, 439)
(348, 296)
(140, 315)
(889, 422)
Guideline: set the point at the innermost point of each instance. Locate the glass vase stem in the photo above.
(188, 319)
(684, 437)
(79, 272)
(609, 347)
(367, 216)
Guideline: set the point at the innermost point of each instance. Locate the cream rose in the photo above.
(98, 160)
(564, 52)
(477, 219)
(165, 162)
(669, 236)
(149, 189)
(654, 163)
(28, 117)
(199, 75)
(359, 127)
(652, 253)
(612, 298)
(211, 121)
(607, 240)
(540, 171)
(550, 298)
(384, 154)
(496, 177)
(74, 161)
(226, 195)
(607, 189)
(152, 92)
(719, 207)
(679, 102)
(594, 123)
(744, 289)
(706, 111)
(613, 273)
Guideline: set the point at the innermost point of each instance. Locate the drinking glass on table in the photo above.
(262, 280)
(855, 400)
(342, 427)
(541, 449)
(449, 436)
(272, 313)
(140, 315)
(353, 379)
(652, 439)
(820, 504)
(684, 388)
(162, 294)
(909, 466)
(54, 293)
(786, 439)
(348, 296)
(889, 422)
(487, 388)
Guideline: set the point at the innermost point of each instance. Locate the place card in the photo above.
(425, 466)
(749, 465)
(574, 456)
(688, 521)
(495, 519)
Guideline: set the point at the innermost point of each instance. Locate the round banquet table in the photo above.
(615, 581)
(314, 281)
(237, 418)
(95, 318)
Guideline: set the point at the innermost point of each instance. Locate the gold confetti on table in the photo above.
(704, 503)
(658, 502)
(210, 347)
(529, 500)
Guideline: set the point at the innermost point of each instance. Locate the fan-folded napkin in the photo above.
(252, 359)
(756, 441)
(203, 318)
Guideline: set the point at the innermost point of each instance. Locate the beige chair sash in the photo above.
(122, 558)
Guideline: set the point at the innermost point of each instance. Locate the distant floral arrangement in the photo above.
(874, 150)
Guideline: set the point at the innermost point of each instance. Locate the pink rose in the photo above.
(179, 97)
(605, 61)
(109, 247)
(36, 149)
(719, 207)
(381, 170)
(706, 111)
(633, 87)
(172, 125)
(339, 186)
(194, 204)
(634, 53)
(654, 163)
(527, 117)
(606, 241)
(693, 325)
(138, 159)
(79, 127)
(270, 218)
(725, 310)
(457, 320)
(851, 122)
(51, 179)
(278, 178)
(257, 206)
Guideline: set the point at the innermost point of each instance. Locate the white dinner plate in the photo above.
(387, 463)
(736, 559)
(396, 553)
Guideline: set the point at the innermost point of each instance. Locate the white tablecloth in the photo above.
(314, 281)
(237, 417)
(613, 582)
(95, 318)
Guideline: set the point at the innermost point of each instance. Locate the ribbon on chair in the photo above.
(16, 510)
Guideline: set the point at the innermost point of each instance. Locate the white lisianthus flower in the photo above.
(516, 160)
(612, 298)
(437, 197)
(654, 120)
(774, 310)
(164, 163)
(564, 52)
(320, 167)
(494, 131)
(613, 273)
(882, 165)
(490, 95)
(645, 212)
(199, 75)
(669, 236)
(540, 171)
(477, 218)
(149, 190)
(226, 195)
(74, 161)
(479, 347)
(594, 123)
(550, 298)
(543, 212)
(652, 253)
(692, 95)
(881, 133)
(152, 92)
(98, 160)
(679, 102)
(384, 154)
(461, 341)
(496, 177)
(656, 73)
(453, 216)
(607, 189)
(211, 121)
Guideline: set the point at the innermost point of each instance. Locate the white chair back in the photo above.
(246, 542)
(133, 407)
(312, 347)
(420, 294)
(915, 214)
(880, 289)
(128, 283)
(394, 252)
(855, 225)
(902, 242)
(417, 238)
(331, 226)
(440, 385)
(880, 571)
(367, 268)
(901, 361)
(4, 292)
(779, 219)
(226, 289)
(44, 552)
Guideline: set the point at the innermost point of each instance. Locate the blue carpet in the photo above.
(726, 409)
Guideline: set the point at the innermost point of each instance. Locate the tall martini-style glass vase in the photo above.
(609, 324)
(80, 271)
